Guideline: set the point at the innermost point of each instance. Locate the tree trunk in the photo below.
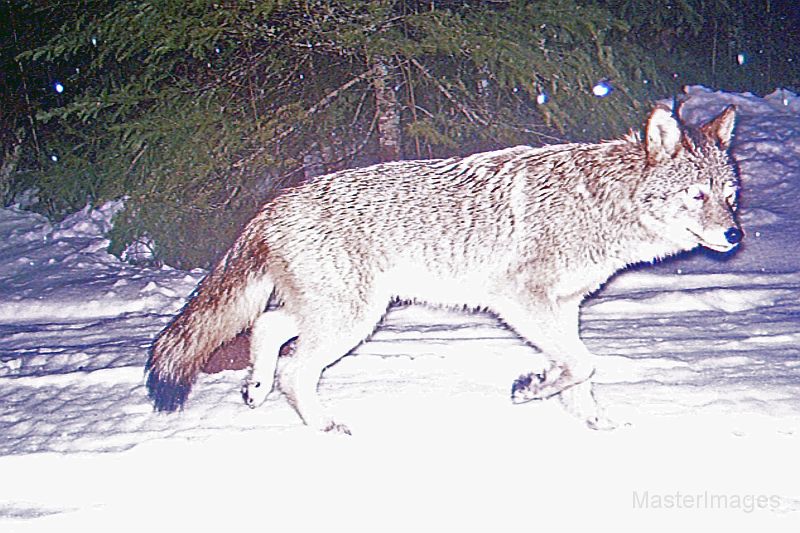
(313, 162)
(387, 109)
(10, 162)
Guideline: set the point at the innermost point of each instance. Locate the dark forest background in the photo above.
(198, 111)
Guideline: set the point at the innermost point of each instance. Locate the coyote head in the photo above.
(690, 191)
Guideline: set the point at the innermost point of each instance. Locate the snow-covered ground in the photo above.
(700, 363)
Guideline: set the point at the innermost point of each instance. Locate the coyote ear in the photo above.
(677, 104)
(662, 135)
(721, 128)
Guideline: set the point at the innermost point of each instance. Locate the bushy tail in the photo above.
(226, 302)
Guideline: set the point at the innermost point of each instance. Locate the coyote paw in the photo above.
(542, 386)
(601, 423)
(340, 429)
(529, 387)
(254, 393)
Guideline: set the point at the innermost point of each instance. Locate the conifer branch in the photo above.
(325, 102)
(471, 115)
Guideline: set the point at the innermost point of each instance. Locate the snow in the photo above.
(698, 361)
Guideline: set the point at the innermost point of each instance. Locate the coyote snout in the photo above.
(526, 233)
(712, 216)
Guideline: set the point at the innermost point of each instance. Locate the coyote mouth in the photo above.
(727, 247)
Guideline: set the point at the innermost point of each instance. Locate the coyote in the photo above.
(525, 233)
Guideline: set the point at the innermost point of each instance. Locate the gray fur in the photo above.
(526, 233)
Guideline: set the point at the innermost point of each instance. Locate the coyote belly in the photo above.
(526, 233)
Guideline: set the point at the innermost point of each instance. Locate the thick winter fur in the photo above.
(526, 233)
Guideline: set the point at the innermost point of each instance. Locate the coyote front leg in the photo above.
(553, 328)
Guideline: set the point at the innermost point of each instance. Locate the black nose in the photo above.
(733, 235)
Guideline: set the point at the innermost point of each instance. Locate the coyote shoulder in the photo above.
(526, 233)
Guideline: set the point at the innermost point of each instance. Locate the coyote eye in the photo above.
(731, 196)
(696, 193)
(730, 199)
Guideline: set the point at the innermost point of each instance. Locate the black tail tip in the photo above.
(167, 394)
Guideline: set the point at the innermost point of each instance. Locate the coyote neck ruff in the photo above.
(525, 233)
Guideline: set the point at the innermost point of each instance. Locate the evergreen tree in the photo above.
(199, 110)
(738, 45)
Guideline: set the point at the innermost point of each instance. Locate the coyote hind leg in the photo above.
(270, 331)
(320, 344)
